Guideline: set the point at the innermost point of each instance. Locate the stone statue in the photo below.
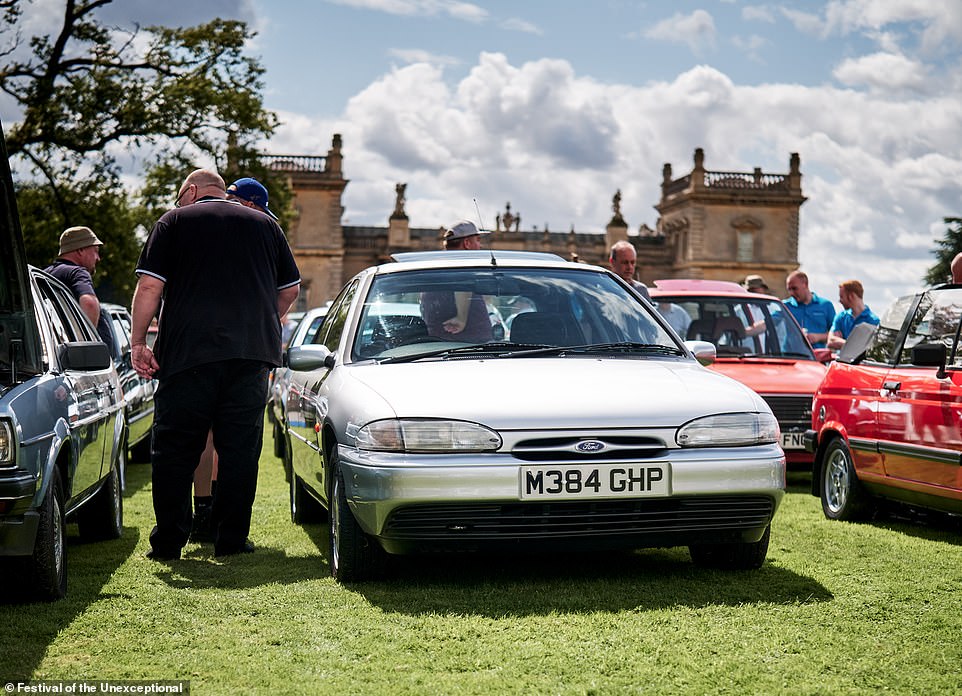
(399, 201)
(616, 203)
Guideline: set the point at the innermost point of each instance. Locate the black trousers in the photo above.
(228, 398)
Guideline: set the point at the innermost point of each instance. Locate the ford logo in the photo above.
(590, 446)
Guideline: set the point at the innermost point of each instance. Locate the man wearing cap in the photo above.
(74, 267)
(251, 193)
(226, 275)
(755, 283)
(461, 316)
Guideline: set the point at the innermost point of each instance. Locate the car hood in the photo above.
(774, 376)
(523, 393)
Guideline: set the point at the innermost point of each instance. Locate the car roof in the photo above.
(480, 257)
(700, 286)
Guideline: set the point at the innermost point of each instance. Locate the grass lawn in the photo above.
(838, 608)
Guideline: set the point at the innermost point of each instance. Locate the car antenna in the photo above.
(494, 261)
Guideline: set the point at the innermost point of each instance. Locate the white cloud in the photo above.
(758, 13)
(886, 71)
(516, 24)
(458, 10)
(697, 30)
(879, 172)
(417, 55)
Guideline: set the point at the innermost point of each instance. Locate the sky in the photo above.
(553, 105)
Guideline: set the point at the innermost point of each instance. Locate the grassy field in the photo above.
(838, 608)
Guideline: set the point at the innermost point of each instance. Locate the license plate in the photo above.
(559, 482)
(793, 441)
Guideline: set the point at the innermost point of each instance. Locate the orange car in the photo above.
(758, 342)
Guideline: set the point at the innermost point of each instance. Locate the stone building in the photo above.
(712, 224)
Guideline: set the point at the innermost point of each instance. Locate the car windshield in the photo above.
(738, 326)
(510, 312)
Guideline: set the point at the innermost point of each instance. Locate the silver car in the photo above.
(589, 424)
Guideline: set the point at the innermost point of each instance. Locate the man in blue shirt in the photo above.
(855, 312)
(814, 314)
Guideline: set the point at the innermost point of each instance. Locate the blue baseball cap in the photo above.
(251, 190)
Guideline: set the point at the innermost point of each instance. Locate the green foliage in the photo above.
(839, 608)
(948, 247)
(92, 93)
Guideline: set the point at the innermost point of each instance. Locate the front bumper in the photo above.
(18, 521)
(470, 502)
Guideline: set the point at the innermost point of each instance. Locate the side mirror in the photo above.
(823, 355)
(930, 355)
(307, 358)
(84, 356)
(703, 351)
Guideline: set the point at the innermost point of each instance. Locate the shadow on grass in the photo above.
(497, 586)
(31, 626)
(930, 525)
(200, 569)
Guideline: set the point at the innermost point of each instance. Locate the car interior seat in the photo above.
(730, 328)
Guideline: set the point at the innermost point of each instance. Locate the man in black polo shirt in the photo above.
(221, 275)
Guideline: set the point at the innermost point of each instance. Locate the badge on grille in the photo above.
(590, 446)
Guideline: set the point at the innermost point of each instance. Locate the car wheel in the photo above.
(353, 554)
(48, 565)
(843, 496)
(304, 508)
(746, 555)
(102, 517)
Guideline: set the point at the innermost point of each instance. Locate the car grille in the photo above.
(791, 412)
(607, 447)
(538, 520)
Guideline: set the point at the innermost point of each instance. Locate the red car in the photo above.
(757, 342)
(887, 419)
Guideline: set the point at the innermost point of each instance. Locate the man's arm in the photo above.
(91, 307)
(146, 302)
(285, 299)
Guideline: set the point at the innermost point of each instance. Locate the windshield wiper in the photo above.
(494, 348)
(616, 347)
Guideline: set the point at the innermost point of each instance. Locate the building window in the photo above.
(746, 246)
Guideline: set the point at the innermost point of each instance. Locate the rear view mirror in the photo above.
(703, 351)
(930, 355)
(309, 358)
(84, 356)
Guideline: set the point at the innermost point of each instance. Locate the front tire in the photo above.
(48, 565)
(353, 556)
(842, 494)
(745, 555)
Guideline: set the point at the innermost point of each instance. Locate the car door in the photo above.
(922, 409)
(93, 394)
(138, 391)
(302, 405)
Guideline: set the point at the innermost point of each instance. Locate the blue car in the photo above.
(63, 430)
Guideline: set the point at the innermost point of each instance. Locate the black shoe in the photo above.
(201, 528)
(163, 555)
(246, 547)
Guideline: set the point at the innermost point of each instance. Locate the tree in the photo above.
(92, 92)
(948, 247)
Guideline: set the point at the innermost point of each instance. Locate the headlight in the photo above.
(729, 430)
(6, 443)
(424, 435)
